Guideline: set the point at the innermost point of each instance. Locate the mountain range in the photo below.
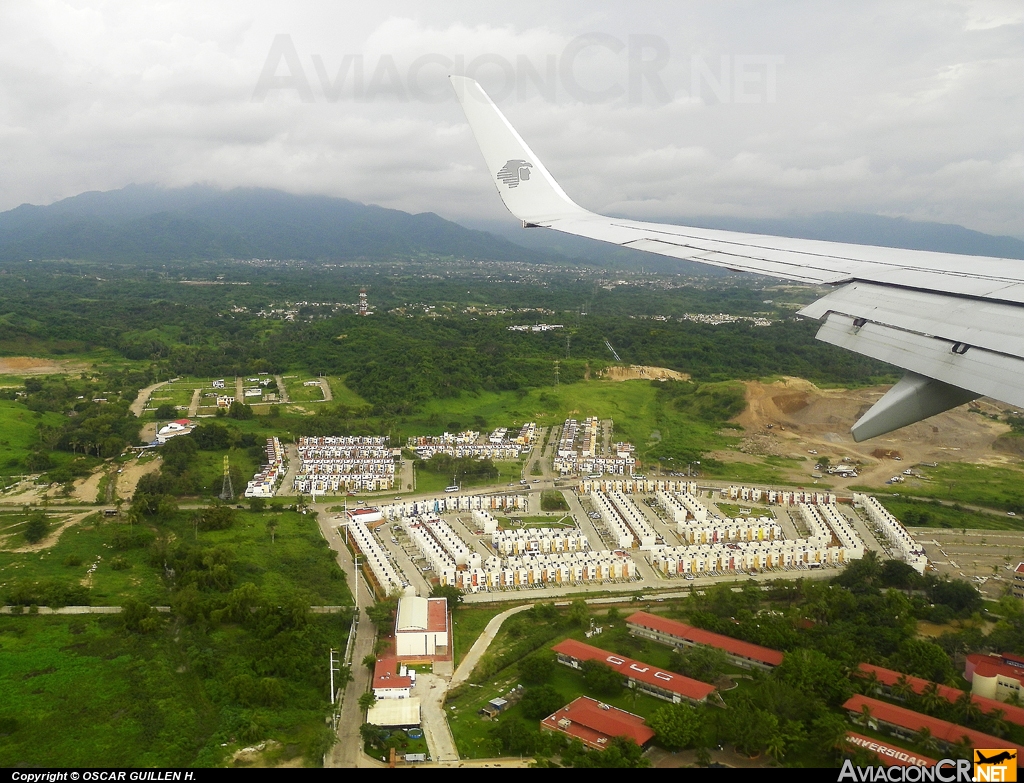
(146, 223)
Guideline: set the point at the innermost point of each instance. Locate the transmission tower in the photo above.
(226, 491)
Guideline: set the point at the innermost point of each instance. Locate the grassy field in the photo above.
(81, 691)
(655, 429)
(468, 622)
(732, 510)
(343, 395)
(999, 487)
(926, 513)
(18, 434)
(297, 392)
(297, 558)
(768, 470)
(508, 473)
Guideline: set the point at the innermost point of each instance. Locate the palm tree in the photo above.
(998, 726)
(931, 699)
(865, 715)
(925, 740)
(868, 682)
(966, 707)
(776, 746)
(902, 688)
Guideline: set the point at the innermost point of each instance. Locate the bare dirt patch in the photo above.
(53, 537)
(29, 365)
(641, 372)
(128, 478)
(87, 489)
(805, 418)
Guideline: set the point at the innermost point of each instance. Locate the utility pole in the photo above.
(332, 676)
(355, 560)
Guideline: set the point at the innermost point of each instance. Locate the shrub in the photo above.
(120, 564)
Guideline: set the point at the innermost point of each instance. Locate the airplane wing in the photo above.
(954, 323)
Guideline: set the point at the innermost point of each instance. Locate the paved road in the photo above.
(326, 386)
(139, 406)
(482, 643)
(348, 752)
(432, 689)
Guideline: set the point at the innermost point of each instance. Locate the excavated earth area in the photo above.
(805, 418)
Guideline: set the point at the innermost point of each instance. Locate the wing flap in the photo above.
(983, 372)
(994, 326)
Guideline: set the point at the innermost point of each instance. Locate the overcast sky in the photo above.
(685, 108)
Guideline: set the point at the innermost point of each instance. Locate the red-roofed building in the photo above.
(642, 676)
(887, 678)
(595, 724)
(904, 723)
(995, 676)
(388, 683)
(677, 634)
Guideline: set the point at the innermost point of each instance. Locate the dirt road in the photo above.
(128, 478)
(282, 390)
(139, 405)
(193, 407)
(328, 394)
(53, 537)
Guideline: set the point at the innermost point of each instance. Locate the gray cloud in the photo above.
(899, 108)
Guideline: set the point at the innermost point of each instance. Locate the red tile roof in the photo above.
(589, 722)
(915, 721)
(437, 614)
(754, 652)
(992, 665)
(637, 670)
(385, 672)
(889, 678)
(1019, 569)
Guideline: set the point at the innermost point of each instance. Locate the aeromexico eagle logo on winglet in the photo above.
(514, 171)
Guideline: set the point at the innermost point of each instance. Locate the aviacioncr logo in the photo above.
(515, 171)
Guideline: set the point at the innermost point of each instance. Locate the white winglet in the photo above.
(525, 186)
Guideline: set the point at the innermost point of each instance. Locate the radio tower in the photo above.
(226, 491)
(362, 302)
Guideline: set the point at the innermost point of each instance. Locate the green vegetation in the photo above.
(1000, 487)
(931, 513)
(794, 713)
(468, 622)
(89, 691)
(733, 510)
(552, 500)
(239, 658)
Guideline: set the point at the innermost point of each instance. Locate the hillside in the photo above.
(143, 223)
